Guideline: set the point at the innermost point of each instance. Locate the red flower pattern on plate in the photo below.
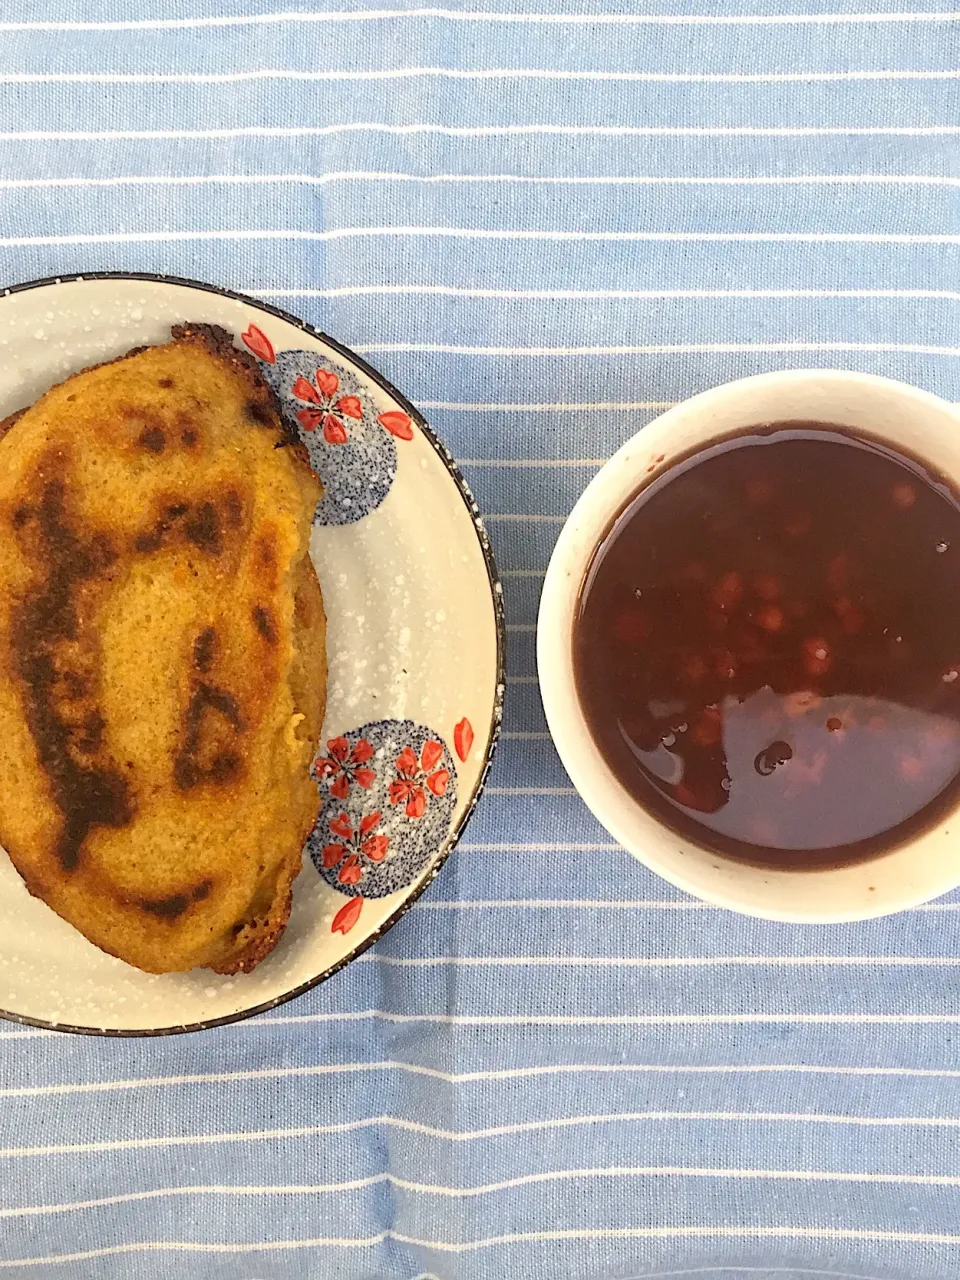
(347, 916)
(397, 423)
(463, 738)
(258, 342)
(353, 846)
(416, 778)
(345, 766)
(324, 411)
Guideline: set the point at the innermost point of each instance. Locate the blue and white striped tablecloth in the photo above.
(544, 225)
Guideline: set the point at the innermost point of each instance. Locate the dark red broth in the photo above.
(767, 648)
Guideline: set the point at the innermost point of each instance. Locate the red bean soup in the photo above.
(767, 646)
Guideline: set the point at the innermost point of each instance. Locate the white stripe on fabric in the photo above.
(482, 15)
(468, 846)
(655, 962)
(598, 406)
(619, 1020)
(532, 462)
(490, 1188)
(594, 904)
(346, 76)
(432, 179)
(678, 348)
(469, 1077)
(528, 791)
(655, 295)
(611, 1020)
(766, 1271)
(401, 1124)
(484, 131)
(486, 233)
(524, 1237)
(522, 517)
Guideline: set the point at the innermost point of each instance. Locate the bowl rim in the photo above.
(496, 599)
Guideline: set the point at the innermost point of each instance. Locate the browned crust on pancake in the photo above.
(10, 421)
(220, 343)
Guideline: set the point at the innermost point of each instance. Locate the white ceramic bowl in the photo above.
(904, 416)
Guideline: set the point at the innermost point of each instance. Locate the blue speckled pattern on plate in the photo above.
(542, 228)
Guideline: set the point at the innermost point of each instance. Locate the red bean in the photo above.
(799, 703)
(728, 589)
(726, 665)
(695, 571)
(852, 621)
(797, 524)
(904, 496)
(685, 795)
(760, 490)
(632, 627)
(911, 767)
(749, 648)
(817, 659)
(838, 571)
(768, 586)
(708, 730)
(770, 618)
(692, 669)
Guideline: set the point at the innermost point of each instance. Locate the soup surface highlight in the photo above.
(767, 646)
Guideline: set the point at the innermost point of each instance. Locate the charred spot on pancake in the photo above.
(74, 685)
(199, 525)
(102, 552)
(186, 773)
(234, 506)
(263, 621)
(217, 700)
(153, 439)
(266, 553)
(92, 733)
(259, 413)
(209, 712)
(165, 908)
(225, 767)
(203, 529)
(147, 542)
(202, 890)
(187, 426)
(87, 794)
(205, 649)
(21, 517)
(167, 383)
(11, 421)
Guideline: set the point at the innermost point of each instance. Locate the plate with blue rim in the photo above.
(415, 648)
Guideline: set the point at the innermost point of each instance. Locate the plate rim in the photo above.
(496, 597)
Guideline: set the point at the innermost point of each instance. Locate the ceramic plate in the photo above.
(415, 647)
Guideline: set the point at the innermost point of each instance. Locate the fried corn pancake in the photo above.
(162, 671)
